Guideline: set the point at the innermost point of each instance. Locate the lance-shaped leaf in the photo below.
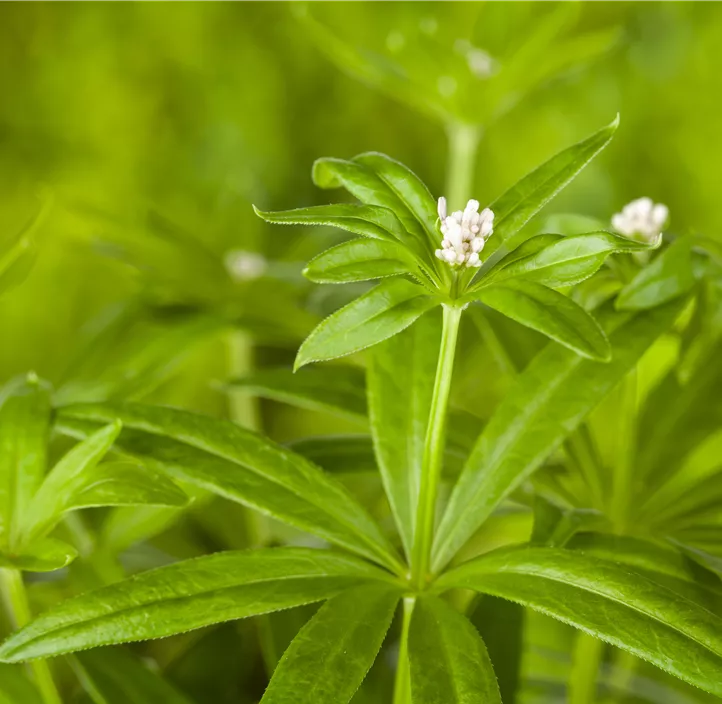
(24, 423)
(188, 595)
(45, 555)
(360, 260)
(379, 223)
(240, 465)
(375, 316)
(448, 658)
(549, 400)
(569, 260)
(329, 658)
(399, 395)
(550, 313)
(669, 276)
(514, 209)
(333, 388)
(116, 676)
(610, 601)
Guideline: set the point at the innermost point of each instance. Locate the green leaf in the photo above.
(549, 400)
(399, 397)
(336, 389)
(360, 260)
(116, 676)
(373, 317)
(46, 555)
(607, 600)
(449, 661)
(242, 466)
(569, 260)
(515, 208)
(329, 658)
(378, 223)
(550, 313)
(15, 688)
(56, 491)
(24, 424)
(188, 595)
(669, 276)
(338, 454)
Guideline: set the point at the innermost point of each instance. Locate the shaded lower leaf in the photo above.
(329, 658)
(115, 676)
(188, 595)
(550, 313)
(373, 317)
(448, 659)
(45, 555)
(608, 600)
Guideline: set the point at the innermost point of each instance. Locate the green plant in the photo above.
(617, 598)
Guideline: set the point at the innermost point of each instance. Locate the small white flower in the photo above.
(641, 218)
(245, 266)
(464, 233)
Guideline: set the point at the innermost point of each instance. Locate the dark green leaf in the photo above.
(372, 318)
(188, 595)
(449, 662)
(551, 397)
(550, 313)
(608, 601)
(399, 397)
(329, 658)
(240, 465)
(338, 454)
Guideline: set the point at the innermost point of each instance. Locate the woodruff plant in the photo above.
(428, 258)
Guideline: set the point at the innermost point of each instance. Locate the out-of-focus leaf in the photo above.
(338, 454)
(448, 659)
(360, 260)
(329, 658)
(336, 389)
(551, 397)
(549, 312)
(115, 676)
(570, 260)
(15, 688)
(608, 601)
(372, 318)
(187, 595)
(399, 397)
(515, 208)
(669, 276)
(24, 424)
(240, 465)
(46, 555)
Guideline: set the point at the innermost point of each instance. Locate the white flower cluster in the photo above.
(641, 218)
(245, 266)
(464, 233)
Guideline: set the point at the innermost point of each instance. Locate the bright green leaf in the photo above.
(550, 313)
(372, 318)
(188, 595)
(449, 661)
(329, 658)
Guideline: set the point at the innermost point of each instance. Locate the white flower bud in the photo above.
(441, 208)
(641, 219)
(464, 233)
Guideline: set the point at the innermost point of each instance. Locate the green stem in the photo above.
(586, 659)
(624, 665)
(463, 146)
(434, 449)
(402, 685)
(16, 602)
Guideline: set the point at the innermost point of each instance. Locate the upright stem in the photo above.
(18, 608)
(463, 146)
(402, 685)
(434, 449)
(586, 659)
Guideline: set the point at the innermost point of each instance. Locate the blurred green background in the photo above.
(154, 127)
